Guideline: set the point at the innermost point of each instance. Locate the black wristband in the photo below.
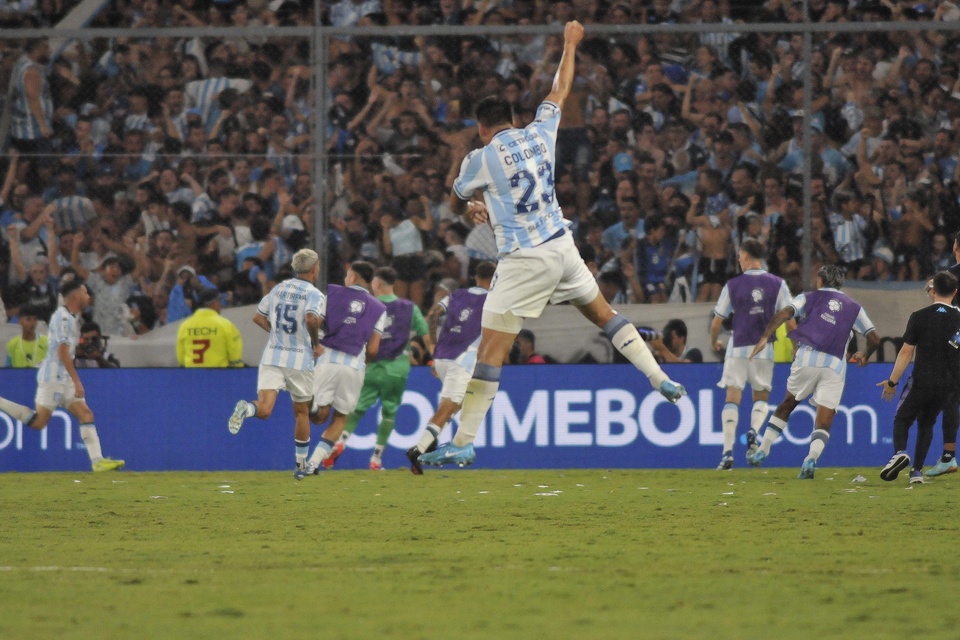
(891, 384)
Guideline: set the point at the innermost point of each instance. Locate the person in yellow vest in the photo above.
(784, 347)
(27, 350)
(207, 339)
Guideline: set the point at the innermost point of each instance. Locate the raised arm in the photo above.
(563, 79)
(13, 156)
(78, 239)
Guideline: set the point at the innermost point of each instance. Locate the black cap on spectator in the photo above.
(208, 297)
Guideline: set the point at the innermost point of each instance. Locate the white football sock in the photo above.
(88, 433)
(15, 410)
(429, 436)
(729, 417)
(774, 428)
(818, 440)
(300, 452)
(476, 403)
(251, 410)
(759, 415)
(320, 453)
(628, 342)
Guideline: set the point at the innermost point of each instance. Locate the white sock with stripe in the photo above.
(774, 428)
(818, 441)
(729, 417)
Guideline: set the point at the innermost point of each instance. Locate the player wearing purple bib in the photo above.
(820, 365)
(353, 327)
(539, 262)
(752, 297)
(455, 355)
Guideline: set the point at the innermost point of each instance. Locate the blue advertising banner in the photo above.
(544, 416)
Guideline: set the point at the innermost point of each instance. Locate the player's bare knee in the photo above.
(41, 419)
(81, 411)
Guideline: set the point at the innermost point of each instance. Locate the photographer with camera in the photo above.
(92, 352)
(670, 345)
(524, 349)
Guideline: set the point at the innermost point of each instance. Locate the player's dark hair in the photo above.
(485, 270)
(363, 269)
(387, 274)
(69, 286)
(526, 334)
(944, 283)
(753, 248)
(832, 276)
(677, 327)
(90, 325)
(653, 223)
(493, 111)
(29, 311)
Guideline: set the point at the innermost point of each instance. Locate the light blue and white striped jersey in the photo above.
(810, 357)
(516, 173)
(23, 124)
(64, 329)
(287, 306)
(139, 122)
(347, 13)
(358, 362)
(849, 236)
(204, 208)
(724, 308)
(202, 95)
(73, 212)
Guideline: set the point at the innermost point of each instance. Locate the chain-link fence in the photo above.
(832, 142)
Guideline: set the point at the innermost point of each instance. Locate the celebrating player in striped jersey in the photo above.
(820, 366)
(291, 313)
(539, 262)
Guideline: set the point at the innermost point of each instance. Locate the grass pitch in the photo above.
(477, 554)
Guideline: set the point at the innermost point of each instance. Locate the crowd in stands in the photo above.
(156, 168)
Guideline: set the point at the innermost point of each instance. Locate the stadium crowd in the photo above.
(156, 168)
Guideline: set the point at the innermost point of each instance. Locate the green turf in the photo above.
(478, 554)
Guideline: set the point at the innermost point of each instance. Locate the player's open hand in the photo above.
(78, 391)
(886, 391)
(477, 212)
(573, 33)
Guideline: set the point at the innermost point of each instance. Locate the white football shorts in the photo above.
(824, 383)
(455, 379)
(337, 385)
(51, 395)
(527, 279)
(737, 372)
(299, 384)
